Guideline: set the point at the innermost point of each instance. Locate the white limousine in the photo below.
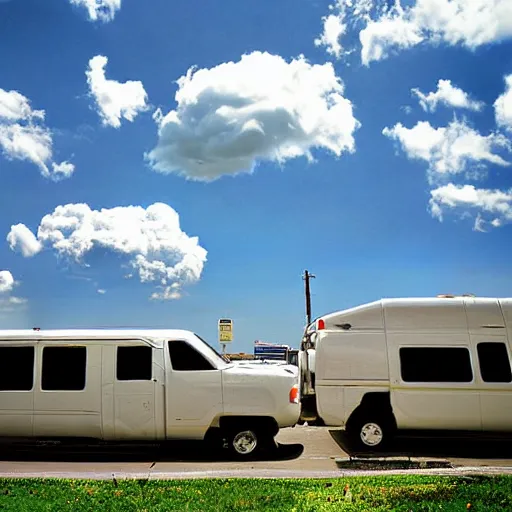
(139, 385)
(414, 364)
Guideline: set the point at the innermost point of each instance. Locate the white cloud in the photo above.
(115, 100)
(503, 106)
(168, 293)
(151, 240)
(24, 136)
(64, 169)
(14, 301)
(16, 107)
(101, 291)
(493, 207)
(471, 23)
(453, 149)
(449, 95)
(6, 281)
(102, 10)
(11, 304)
(390, 31)
(8, 302)
(260, 108)
(21, 239)
(334, 29)
(344, 14)
(33, 143)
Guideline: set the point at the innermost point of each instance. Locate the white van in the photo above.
(138, 385)
(413, 364)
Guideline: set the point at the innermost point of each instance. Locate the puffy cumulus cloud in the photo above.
(24, 136)
(151, 239)
(343, 13)
(503, 106)
(15, 107)
(114, 100)
(451, 149)
(8, 302)
(471, 23)
(99, 10)
(449, 95)
(334, 27)
(6, 281)
(391, 30)
(259, 108)
(490, 208)
(21, 239)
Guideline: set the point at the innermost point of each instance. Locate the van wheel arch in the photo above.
(268, 424)
(372, 417)
(248, 436)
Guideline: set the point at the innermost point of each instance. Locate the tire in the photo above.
(246, 442)
(370, 432)
(214, 441)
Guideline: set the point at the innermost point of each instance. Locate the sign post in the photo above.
(225, 333)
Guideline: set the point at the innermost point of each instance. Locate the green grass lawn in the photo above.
(409, 493)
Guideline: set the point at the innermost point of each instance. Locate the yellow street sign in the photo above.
(225, 330)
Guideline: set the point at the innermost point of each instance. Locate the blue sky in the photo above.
(395, 199)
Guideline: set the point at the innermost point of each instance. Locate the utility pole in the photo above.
(307, 276)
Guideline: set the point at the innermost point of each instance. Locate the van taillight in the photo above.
(320, 325)
(294, 395)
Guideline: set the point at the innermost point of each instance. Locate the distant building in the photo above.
(241, 356)
(268, 352)
(275, 351)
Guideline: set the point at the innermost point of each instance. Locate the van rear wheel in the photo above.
(247, 442)
(370, 433)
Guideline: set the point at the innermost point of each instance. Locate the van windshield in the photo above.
(215, 354)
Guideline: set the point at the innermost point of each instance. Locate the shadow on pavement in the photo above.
(441, 446)
(171, 451)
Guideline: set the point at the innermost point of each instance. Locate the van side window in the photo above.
(64, 368)
(134, 363)
(185, 358)
(16, 368)
(435, 364)
(494, 362)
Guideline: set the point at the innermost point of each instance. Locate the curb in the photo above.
(257, 474)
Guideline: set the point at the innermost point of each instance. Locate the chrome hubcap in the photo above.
(371, 434)
(245, 442)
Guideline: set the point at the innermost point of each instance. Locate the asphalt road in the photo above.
(303, 452)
